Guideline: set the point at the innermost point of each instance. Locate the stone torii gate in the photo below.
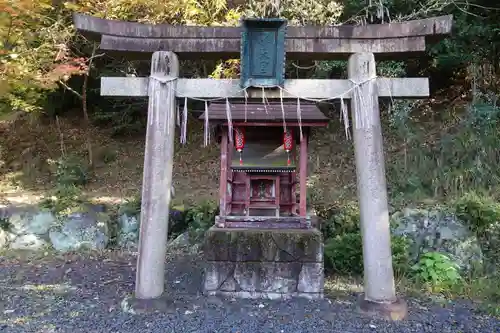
(360, 44)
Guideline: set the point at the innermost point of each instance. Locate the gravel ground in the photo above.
(84, 293)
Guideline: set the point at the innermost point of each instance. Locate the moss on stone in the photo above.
(263, 245)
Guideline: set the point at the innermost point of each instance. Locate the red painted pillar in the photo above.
(223, 174)
(303, 174)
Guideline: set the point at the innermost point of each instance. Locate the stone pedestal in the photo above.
(269, 264)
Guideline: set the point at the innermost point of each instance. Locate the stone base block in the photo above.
(163, 304)
(263, 295)
(394, 311)
(271, 264)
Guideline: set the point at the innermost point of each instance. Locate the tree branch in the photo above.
(70, 89)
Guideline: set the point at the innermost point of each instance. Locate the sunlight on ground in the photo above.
(58, 288)
(336, 286)
(107, 200)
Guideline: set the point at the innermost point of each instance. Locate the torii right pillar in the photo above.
(379, 296)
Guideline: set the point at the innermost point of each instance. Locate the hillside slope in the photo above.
(30, 144)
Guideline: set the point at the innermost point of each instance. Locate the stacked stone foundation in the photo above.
(264, 263)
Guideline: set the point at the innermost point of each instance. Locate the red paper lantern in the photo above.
(239, 137)
(288, 143)
(288, 140)
(239, 141)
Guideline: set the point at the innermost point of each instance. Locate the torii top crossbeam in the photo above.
(394, 40)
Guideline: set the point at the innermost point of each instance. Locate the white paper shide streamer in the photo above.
(299, 117)
(184, 122)
(206, 136)
(282, 110)
(229, 120)
(345, 117)
(363, 116)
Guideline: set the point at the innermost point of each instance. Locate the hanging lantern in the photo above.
(239, 141)
(288, 143)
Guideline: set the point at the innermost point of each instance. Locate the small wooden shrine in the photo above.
(264, 164)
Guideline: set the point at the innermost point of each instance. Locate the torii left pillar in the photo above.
(157, 178)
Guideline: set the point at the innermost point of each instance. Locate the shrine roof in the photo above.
(272, 112)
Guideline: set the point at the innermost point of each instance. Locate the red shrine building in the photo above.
(263, 174)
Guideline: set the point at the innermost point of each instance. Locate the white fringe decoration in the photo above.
(363, 118)
(206, 134)
(299, 117)
(184, 122)
(282, 110)
(345, 117)
(229, 120)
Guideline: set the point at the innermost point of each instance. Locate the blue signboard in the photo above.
(263, 52)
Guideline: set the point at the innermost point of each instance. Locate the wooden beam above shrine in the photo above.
(440, 25)
(295, 48)
(305, 88)
(390, 40)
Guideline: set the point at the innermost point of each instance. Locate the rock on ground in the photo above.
(84, 294)
(433, 230)
(29, 242)
(35, 223)
(81, 230)
(128, 231)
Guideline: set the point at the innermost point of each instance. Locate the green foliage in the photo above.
(344, 254)
(190, 12)
(482, 214)
(64, 200)
(479, 212)
(71, 171)
(131, 206)
(437, 271)
(200, 218)
(338, 220)
(298, 12)
(5, 224)
(453, 159)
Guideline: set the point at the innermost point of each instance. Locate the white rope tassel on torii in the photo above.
(282, 110)
(345, 117)
(206, 134)
(363, 117)
(184, 122)
(229, 120)
(299, 117)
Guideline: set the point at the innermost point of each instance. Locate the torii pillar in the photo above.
(157, 177)
(379, 296)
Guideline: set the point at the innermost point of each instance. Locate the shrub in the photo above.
(437, 271)
(482, 214)
(200, 218)
(71, 171)
(344, 254)
(131, 206)
(339, 220)
(479, 212)
(64, 200)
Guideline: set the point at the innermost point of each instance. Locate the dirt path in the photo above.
(83, 293)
